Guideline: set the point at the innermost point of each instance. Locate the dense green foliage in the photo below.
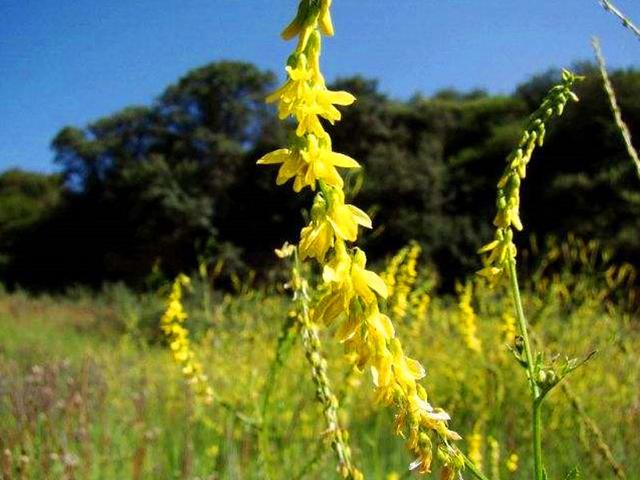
(162, 184)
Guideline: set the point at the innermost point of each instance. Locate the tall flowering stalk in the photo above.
(172, 324)
(500, 256)
(313, 351)
(349, 294)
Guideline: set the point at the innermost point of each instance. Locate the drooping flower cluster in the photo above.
(502, 249)
(350, 293)
(172, 324)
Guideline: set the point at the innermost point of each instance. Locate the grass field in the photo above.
(88, 389)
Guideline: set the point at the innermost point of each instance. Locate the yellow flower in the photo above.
(316, 162)
(345, 218)
(512, 462)
(376, 323)
(406, 370)
(178, 336)
(315, 240)
(330, 221)
(305, 97)
(347, 280)
(499, 251)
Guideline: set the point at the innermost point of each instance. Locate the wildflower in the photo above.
(347, 279)
(337, 221)
(468, 318)
(405, 280)
(315, 162)
(475, 446)
(502, 249)
(389, 275)
(494, 456)
(512, 462)
(345, 218)
(172, 325)
(305, 97)
(349, 290)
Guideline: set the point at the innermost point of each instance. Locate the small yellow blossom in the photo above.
(347, 279)
(345, 218)
(330, 222)
(315, 162)
(512, 462)
(305, 97)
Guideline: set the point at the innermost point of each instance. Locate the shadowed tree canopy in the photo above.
(156, 184)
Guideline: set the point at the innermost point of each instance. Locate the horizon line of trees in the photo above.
(159, 186)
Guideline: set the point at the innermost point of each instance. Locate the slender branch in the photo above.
(626, 21)
(608, 87)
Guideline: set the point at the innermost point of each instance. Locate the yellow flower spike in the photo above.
(508, 196)
(178, 336)
(348, 289)
(468, 319)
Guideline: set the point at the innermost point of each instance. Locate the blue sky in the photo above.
(70, 62)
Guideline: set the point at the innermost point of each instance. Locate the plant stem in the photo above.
(613, 102)
(537, 439)
(536, 399)
(626, 21)
(473, 469)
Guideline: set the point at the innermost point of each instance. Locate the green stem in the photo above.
(473, 469)
(536, 400)
(537, 439)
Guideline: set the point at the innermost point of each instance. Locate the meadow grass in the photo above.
(83, 397)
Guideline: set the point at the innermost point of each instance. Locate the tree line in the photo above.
(156, 187)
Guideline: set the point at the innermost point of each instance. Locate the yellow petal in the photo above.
(489, 246)
(359, 216)
(278, 156)
(375, 282)
(382, 324)
(348, 328)
(341, 160)
(339, 98)
(344, 223)
(324, 21)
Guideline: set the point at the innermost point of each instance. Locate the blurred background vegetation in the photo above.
(145, 192)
